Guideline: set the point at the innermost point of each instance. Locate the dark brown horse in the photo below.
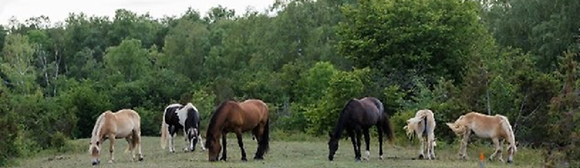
(357, 117)
(238, 117)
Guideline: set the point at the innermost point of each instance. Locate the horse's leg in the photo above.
(422, 147)
(257, 135)
(497, 149)
(358, 143)
(463, 146)
(137, 144)
(353, 139)
(171, 142)
(224, 152)
(201, 142)
(112, 147)
(367, 141)
(241, 144)
(129, 143)
(431, 148)
(380, 143)
(187, 141)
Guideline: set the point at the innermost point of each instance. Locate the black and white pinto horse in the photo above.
(177, 117)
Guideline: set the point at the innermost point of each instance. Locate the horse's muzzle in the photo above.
(95, 162)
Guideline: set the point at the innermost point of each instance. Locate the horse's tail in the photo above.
(265, 139)
(388, 128)
(413, 122)
(164, 131)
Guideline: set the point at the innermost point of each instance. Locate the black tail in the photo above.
(426, 126)
(388, 128)
(264, 142)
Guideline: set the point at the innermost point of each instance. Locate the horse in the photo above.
(357, 117)
(124, 123)
(423, 125)
(485, 126)
(177, 117)
(238, 117)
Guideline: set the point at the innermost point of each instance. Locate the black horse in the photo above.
(357, 117)
(178, 117)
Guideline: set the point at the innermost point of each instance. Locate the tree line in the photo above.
(305, 58)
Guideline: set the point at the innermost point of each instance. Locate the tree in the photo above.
(410, 37)
(544, 28)
(17, 64)
(186, 47)
(128, 59)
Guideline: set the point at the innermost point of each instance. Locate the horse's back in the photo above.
(372, 110)
(255, 106)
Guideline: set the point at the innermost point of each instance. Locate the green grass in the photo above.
(291, 154)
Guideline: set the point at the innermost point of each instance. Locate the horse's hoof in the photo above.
(421, 156)
(258, 158)
(244, 160)
(509, 161)
(141, 159)
(381, 157)
(111, 161)
(357, 159)
(223, 158)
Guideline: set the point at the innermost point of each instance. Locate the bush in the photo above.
(343, 87)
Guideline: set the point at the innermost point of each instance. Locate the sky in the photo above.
(58, 10)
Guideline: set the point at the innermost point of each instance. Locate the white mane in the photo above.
(97, 129)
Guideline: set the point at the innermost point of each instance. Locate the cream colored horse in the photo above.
(423, 125)
(122, 124)
(485, 126)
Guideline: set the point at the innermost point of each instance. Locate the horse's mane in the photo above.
(341, 120)
(505, 122)
(97, 128)
(212, 123)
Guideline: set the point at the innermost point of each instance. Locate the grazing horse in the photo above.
(177, 117)
(423, 125)
(122, 124)
(357, 117)
(485, 126)
(238, 117)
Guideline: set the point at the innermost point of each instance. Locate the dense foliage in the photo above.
(305, 58)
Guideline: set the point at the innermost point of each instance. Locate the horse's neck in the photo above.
(98, 129)
(340, 125)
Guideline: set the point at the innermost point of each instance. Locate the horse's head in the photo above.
(512, 149)
(458, 129)
(95, 150)
(213, 146)
(332, 146)
(192, 135)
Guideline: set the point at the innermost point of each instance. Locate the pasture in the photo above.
(291, 154)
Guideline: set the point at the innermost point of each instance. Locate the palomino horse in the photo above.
(495, 127)
(357, 117)
(122, 124)
(423, 125)
(238, 117)
(176, 117)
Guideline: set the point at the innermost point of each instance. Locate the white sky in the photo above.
(58, 10)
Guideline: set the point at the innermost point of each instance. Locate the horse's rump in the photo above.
(422, 124)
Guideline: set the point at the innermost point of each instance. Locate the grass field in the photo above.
(290, 154)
